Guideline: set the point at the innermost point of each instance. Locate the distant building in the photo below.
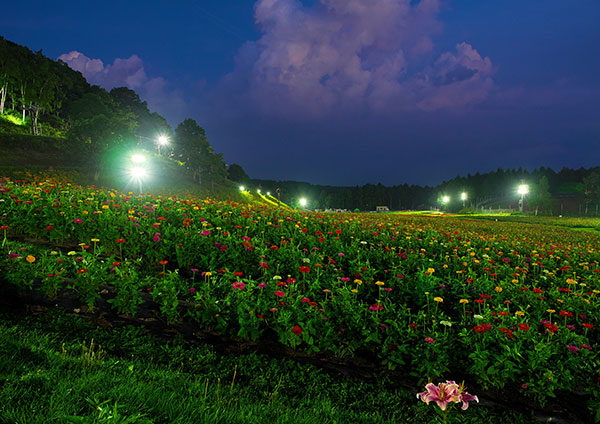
(382, 209)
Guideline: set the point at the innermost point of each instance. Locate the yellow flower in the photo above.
(208, 274)
(30, 259)
(445, 266)
(359, 282)
(463, 301)
(498, 289)
(520, 313)
(551, 311)
(95, 239)
(131, 211)
(438, 299)
(71, 253)
(514, 281)
(571, 281)
(430, 270)
(380, 283)
(105, 207)
(354, 291)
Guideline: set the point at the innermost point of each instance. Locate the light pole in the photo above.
(138, 173)
(523, 190)
(445, 200)
(463, 197)
(162, 140)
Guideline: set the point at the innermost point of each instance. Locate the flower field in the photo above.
(509, 306)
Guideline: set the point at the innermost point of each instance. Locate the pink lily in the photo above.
(442, 394)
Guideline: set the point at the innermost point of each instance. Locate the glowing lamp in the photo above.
(303, 202)
(463, 196)
(445, 199)
(242, 188)
(162, 140)
(523, 189)
(137, 173)
(137, 158)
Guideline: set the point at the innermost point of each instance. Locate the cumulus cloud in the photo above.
(130, 73)
(340, 55)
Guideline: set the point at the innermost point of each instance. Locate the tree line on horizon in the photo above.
(569, 191)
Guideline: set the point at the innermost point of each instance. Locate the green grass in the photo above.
(49, 374)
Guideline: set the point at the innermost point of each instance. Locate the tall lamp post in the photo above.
(162, 140)
(445, 200)
(523, 190)
(463, 197)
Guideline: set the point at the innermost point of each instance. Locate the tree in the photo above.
(192, 147)
(236, 173)
(540, 197)
(591, 188)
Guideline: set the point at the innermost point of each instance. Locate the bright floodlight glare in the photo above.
(445, 199)
(523, 189)
(137, 158)
(162, 140)
(303, 202)
(258, 191)
(242, 188)
(268, 193)
(137, 173)
(463, 196)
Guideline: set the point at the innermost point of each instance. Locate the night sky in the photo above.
(347, 92)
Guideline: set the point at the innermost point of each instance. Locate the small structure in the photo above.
(382, 209)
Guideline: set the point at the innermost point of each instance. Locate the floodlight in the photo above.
(303, 202)
(258, 191)
(523, 189)
(445, 199)
(463, 196)
(242, 188)
(137, 173)
(137, 158)
(162, 140)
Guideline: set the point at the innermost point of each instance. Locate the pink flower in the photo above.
(429, 340)
(156, 237)
(442, 394)
(238, 285)
(279, 293)
(465, 398)
(573, 349)
(192, 290)
(77, 221)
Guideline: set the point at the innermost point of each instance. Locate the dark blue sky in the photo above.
(346, 92)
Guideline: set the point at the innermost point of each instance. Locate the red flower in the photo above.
(297, 330)
(279, 293)
(82, 271)
(523, 327)
(551, 327)
(120, 241)
(4, 227)
(238, 274)
(482, 328)
(586, 325)
(163, 262)
(48, 227)
(304, 269)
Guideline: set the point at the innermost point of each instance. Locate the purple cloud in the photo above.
(130, 73)
(348, 56)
